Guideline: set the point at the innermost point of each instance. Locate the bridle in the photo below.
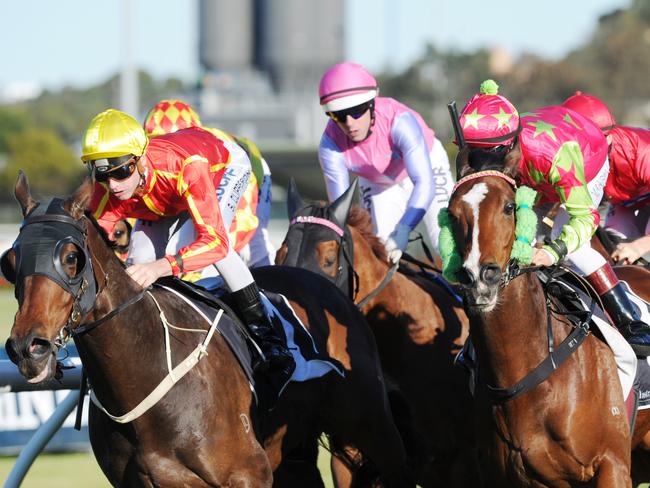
(37, 248)
(512, 269)
(348, 282)
(346, 251)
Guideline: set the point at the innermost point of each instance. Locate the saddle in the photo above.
(267, 386)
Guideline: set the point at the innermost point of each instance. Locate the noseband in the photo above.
(521, 252)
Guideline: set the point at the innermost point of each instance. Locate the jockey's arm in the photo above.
(407, 135)
(335, 172)
(573, 192)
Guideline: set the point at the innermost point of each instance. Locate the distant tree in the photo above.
(51, 166)
(12, 121)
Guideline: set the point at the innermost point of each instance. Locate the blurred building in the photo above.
(262, 61)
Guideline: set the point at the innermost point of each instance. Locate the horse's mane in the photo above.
(359, 218)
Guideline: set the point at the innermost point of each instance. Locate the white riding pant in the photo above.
(387, 205)
(260, 251)
(584, 259)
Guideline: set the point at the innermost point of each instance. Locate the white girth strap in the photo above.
(174, 375)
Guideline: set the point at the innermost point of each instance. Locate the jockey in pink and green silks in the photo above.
(564, 157)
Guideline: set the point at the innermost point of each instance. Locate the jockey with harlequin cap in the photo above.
(563, 156)
(168, 183)
(403, 169)
(249, 223)
(628, 184)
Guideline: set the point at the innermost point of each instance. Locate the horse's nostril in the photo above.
(465, 277)
(39, 347)
(491, 274)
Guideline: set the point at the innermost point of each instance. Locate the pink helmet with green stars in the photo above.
(489, 119)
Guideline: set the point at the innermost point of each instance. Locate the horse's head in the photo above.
(482, 214)
(318, 238)
(50, 266)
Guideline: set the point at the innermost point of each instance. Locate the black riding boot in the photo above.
(624, 313)
(627, 318)
(276, 356)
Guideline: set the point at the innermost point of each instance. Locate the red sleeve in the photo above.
(211, 244)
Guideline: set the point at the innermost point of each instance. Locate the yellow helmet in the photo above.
(168, 116)
(112, 133)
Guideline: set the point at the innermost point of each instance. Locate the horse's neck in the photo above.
(512, 339)
(370, 268)
(106, 349)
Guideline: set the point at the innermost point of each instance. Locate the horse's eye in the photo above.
(329, 262)
(71, 259)
(509, 208)
(119, 233)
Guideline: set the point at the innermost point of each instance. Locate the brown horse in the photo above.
(418, 326)
(569, 430)
(206, 431)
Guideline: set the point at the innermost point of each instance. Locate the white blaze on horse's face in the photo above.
(473, 198)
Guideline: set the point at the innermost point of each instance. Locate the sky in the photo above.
(79, 43)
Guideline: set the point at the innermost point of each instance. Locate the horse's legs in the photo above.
(613, 474)
(358, 412)
(299, 468)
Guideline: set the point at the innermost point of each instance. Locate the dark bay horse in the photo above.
(569, 430)
(206, 431)
(418, 326)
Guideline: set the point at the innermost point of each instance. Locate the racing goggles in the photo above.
(355, 112)
(119, 168)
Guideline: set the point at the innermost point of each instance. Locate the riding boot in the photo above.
(275, 358)
(625, 314)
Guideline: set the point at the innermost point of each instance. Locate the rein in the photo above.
(84, 328)
(556, 356)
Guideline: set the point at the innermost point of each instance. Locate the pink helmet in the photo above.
(592, 108)
(346, 85)
(489, 119)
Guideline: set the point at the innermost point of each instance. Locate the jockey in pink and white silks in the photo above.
(563, 156)
(628, 184)
(403, 169)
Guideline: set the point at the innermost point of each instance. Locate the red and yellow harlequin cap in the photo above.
(592, 108)
(168, 116)
(489, 119)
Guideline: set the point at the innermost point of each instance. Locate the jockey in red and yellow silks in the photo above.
(181, 172)
(562, 155)
(170, 184)
(248, 231)
(628, 184)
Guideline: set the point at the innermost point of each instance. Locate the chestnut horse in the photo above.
(206, 430)
(569, 430)
(418, 326)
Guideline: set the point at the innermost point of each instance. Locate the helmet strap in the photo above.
(372, 118)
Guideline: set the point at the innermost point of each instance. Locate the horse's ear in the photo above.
(76, 204)
(462, 163)
(340, 208)
(511, 161)
(23, 195)
(294, 200)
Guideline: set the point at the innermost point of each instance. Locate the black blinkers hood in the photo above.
(42, 235)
